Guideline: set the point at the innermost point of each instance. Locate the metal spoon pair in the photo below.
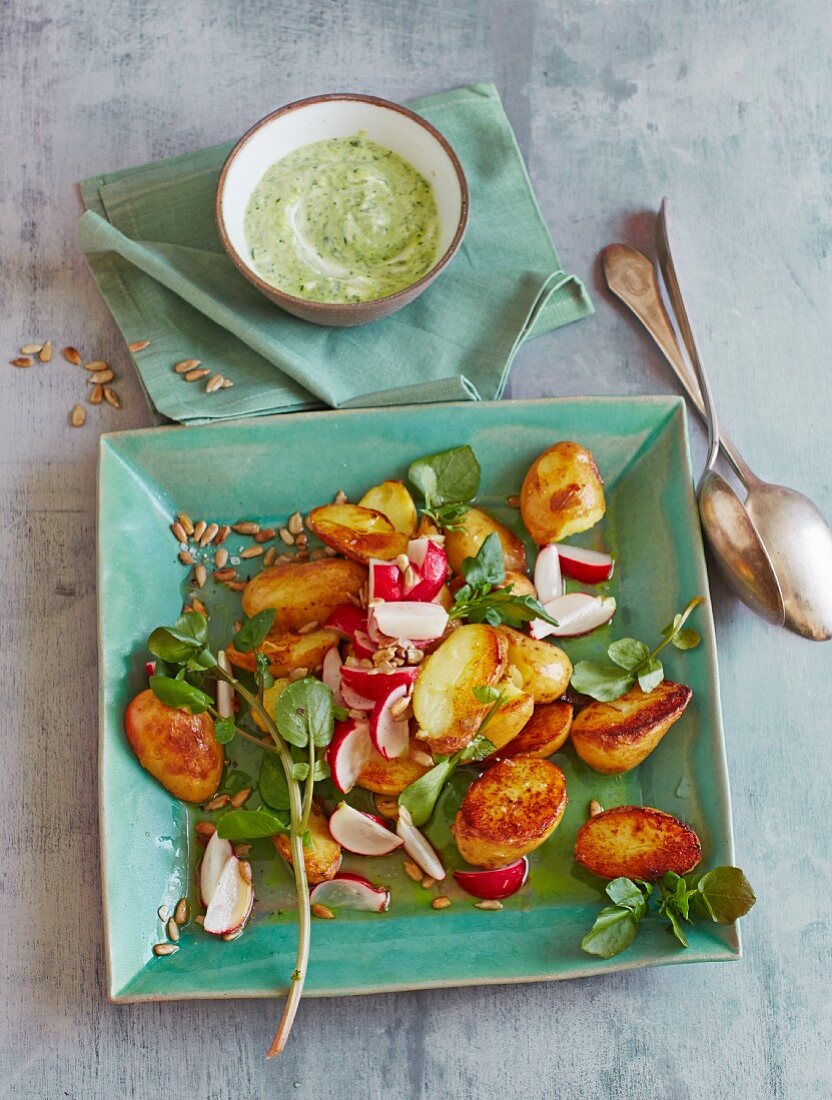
(774, 548)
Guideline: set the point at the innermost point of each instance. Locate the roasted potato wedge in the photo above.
(323, 859)
(636, 842)
(521, 585)
(357, 533)
(390, 777)
(471, 531)
(562, 493)
(615, 737)
(544, 733)
(270, 697)
(545, 668)
(177, 748)
(287, 652)
(509, 811)
(303, 592)
(512, 716)
(393, 500)
(444, 706)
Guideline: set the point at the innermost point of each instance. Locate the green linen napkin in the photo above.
(150, 240)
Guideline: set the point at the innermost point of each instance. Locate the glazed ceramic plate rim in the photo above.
(707, 945)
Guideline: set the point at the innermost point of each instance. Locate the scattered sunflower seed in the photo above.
(387, 806)
(185, 365)
(162, 913)
(96, 364)
(199, 919)
(179, 531)
(112, 398)
(198, 605)
(165, 949)
(205, 829)
(77, 416)
(237, 586)
(222, 534)
(269, 556)
(322, 912)
(265, 534)
(186, 522)
(252, 552)
(400, 706)
(246, 527)
(513, 501)
(22, 361)
(302, 541)
(30, 349)
(97, 394)
(307, 628)
(200, 575)
(595, 807)
(427, 882)
(195, 375)
(340, 497)
(45, 353)
(172, 929)
(298, 674)
(286, 536)
(221, 557)
(488, 903)
(100, 376)
(240, 797)
(208, 534)
(226, 384)
(213, 383)
(403, 562)
(72, 355)
(295, 523)
(409, 577)
(223, 575)
(138, 345)
(180, 913)
(412, 870)
(241, 850)
(245, 870)
(199, 529)
(186, 557)
(216, 803)
(441, 902)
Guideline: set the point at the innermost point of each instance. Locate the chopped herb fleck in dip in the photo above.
(342, 220)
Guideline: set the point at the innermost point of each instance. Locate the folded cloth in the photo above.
(150, 240)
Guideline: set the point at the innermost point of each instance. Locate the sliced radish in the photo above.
(331, 673)
(575, 613)
(375, 685)
(363, 834)
(352, 699)
(587, 566)
(417, 845)
(385, 581)
(501, 883)
(348, 752)
(390, 735)
(547, 578)
(431, 565)
(346, 619)
(409, 619)
(363, 646)
(150, 667)
(225, 692)
(349, 891)
(233, 898)
(217, 854)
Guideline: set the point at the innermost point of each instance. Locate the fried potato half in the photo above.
(636, 842)
(615, 737)
(323, 858)
(393, 499)
(545, 732)
(390, 777)
(444, 706)
(303, 592)
(177, 748)
(562, 493)
(287, 652)
(509, 811)
(356, 532)
(521, 585)
(470, 532)
(545, 669)
(511, 718)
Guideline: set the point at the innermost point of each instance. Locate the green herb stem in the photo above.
(309, 788)
(245, 734)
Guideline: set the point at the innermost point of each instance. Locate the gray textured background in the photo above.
(723, 105)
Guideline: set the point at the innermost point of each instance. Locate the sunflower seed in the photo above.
(186, 522)
(302, 541)
(322, 912)
(213, 383)
(409, 577)
(208, 534)
(269, 556)
(423, 758)
(241, 850)
(185, 557)
(286, 536)
(96, 395)
(240, 797)
(513, 501)
(45, 353)
(265, 535)
(200, 575)
(165, 949)
(205, 829)
(488, 903)
(387, 806)
(595, 807)
(222, 534)
(195, 375)
(403, 562)
(412, 870)
(340, 497)
(198, 605)
(298, 674)
(22, 361)
(180, 913)
(100, 376)
(400, 706)
(284, 559)
(226, 384)
(223, 575)
(162, 913)
(185, 365)
(138, 345)
(221, 557)
(295, 523)
(199, 919)
(77, 416)
(172, 929)
(72, 355)
(30, 349)
(245, 870)
(199, 529)
(427, 882)
(252, 552)
(112, 398)
(237, 586)
(441, 903)
(216, 803)
(307, 628)
(246, 528)
(179, 532)
(96, 364)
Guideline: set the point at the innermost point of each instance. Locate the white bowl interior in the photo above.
(339, 118)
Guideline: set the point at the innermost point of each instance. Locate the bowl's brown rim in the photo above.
(406, 292)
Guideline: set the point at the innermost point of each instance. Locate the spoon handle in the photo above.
(631, 277)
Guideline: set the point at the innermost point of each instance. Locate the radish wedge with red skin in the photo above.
(353, 700)
(390, 735)
(348, 891)
(548, 582)
(374, 685)
(231, 904)
(331, 674)
(575, 613)
(586, 566)
(385, 581)
(417, 845)
(346, 619)
(431, 565)
(360, 833)
(363, 646)
(217, 854)
(409, 619)
(348, 752)
(493, 885)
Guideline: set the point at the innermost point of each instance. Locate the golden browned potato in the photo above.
(176, 747)
(615, 737)
(637, 842)
(521, 585)
(356, 532)
(323, 858)
(544, 733)
(393, 500)
(545, 669)
(270, 697)
(512, 716)
(287, 652)
(471, 531)
(303, 592)
(562, 493)
(444, 706)
(509, 811)
(390, 777)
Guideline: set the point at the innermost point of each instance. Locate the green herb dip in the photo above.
(342, 220)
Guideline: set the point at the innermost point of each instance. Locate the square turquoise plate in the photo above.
(266, 469)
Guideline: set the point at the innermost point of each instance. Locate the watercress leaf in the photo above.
(446, 477)
(727, 892)
(628, 653)
(253, 632)
(274, 790)
(265, 677)
(178, 693)
(178, 643)
(602, 682)
(650, 675)
(613, 931)
(300, 771)
(421, 796)
(489, 565)
(484, 693)
(236, 780)
(669, 911)
(477, 749)
(224, 730)
(492, 616)
(304, 711)
(625, 893)
(250, 824)
(320, 771)
(686, 639)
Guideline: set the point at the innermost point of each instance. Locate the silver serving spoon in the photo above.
(775, 549)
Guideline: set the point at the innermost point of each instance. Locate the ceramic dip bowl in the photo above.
(331, 116)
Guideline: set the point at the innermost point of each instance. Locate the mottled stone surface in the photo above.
(725, 106)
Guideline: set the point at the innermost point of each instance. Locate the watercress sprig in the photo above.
(481, 600)
(448, 482)
(633, 661)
